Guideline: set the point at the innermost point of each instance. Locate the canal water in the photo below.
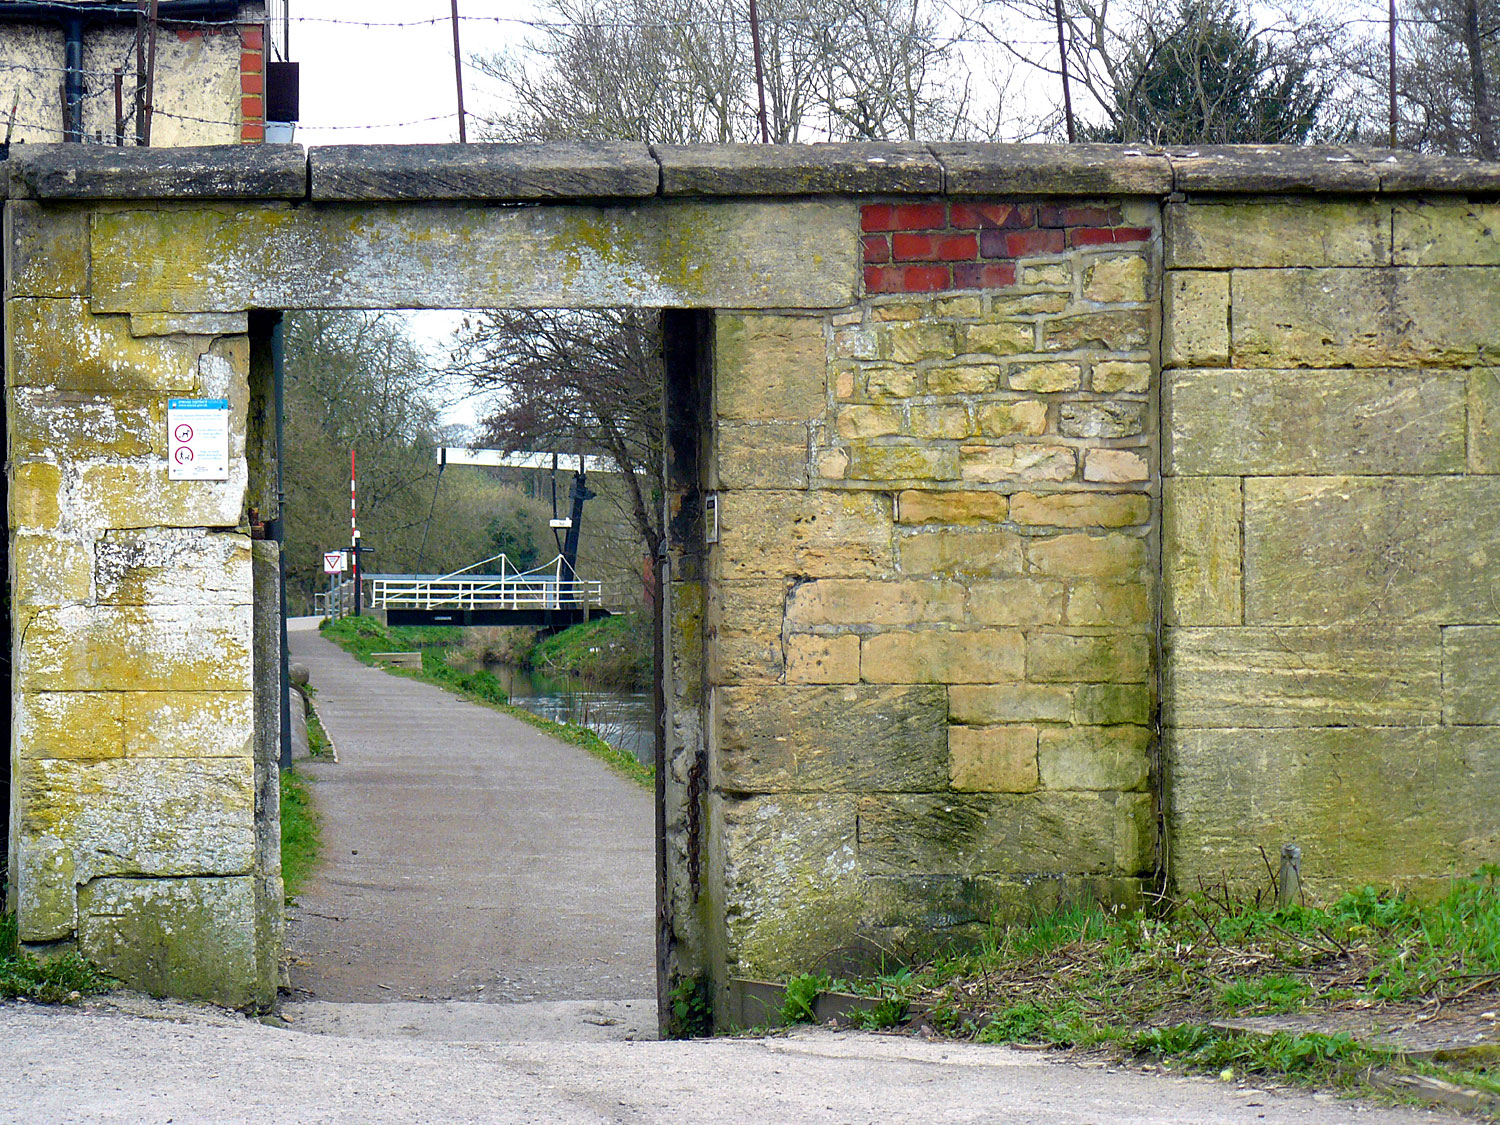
(623, 719)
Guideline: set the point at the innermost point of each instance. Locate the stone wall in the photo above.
(1331, 609)
(939, 541)
(930, 604)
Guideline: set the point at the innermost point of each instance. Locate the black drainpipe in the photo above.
(278, 529)
(73, 83)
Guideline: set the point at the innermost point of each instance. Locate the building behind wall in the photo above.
(209, 78)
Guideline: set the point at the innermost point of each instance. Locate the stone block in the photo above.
(35, 490)
(1261, 233)
(914, 508)
(835, 738)
(46, 250)
(1000, 759)
(769, 368)
(1114, 757)
(1195, 319)
(913, 342)
(85, 725)
(1116, 280)
(1286, 423)
(1016, 601)
(1045, 378)
(1114, 556)
(49, 570)
(1108, 704)
(822, 660)
(1101, 419)
(172, 566)
(1122, 331)
(953, 552)
(832, 464)
(189, 324)
(809, 534)
(1109, 659)
(1001, 339)
(501, 172)
(137, 816)
(1115, 466)
(140, 495)
(964, 308)
(1002, 419)
(190, 938)
(67, 426)
(1112, 376)
(943, 421)
(58, 345)
(1036, 833)
(1125, 604)
(1347, 675)
(1324, 550)
(980, 656)
(1447, 232)
(902, 463)
(136, 648)
(655, 253)
(1201, 551)
(855, 341)
(1471, 675)
(1080, 509)
(792, 891)
(883, 383)
(1385, 806)
(188, 724)
(1056, 275)
(1051, 170)
(764, 455)
(1024, 463)
(1484, 420)
(1009, 703)
(745, 621)
(1396, 317)
(837, 601)
(963, 379)
(174, 170)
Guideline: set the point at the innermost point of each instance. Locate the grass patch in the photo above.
(319, 745)
(607, 652)
(300, 833)
(1148, 985)
(362, 636)
(57, 980)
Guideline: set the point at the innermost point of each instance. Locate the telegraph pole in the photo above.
(458, 78)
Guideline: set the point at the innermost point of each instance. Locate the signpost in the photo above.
(333, 562)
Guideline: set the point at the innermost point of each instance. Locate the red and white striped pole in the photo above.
(354, 533)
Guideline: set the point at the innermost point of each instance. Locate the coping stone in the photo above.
(1033, 169)
(867, 167)
(1272, 168)
(78, 171)
(495, 172)
(1401, 170)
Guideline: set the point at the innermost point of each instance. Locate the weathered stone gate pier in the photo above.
(1047, 523)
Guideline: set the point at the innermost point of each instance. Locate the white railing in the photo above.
(550, 586)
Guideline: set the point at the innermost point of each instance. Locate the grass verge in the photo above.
(57, 980)
(612, 652)
(300, 834)
(1151, 986)
(364, 636)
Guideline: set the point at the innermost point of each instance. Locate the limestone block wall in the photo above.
(136, 834)
(1332, 622)
(930, 604)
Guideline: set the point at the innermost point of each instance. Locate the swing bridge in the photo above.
(547, 596)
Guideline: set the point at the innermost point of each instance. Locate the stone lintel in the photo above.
(483, 172)
(838, 169)
(73, 171)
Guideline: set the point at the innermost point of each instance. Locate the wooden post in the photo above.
(458, 78)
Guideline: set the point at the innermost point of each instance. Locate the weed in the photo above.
(802, 994)
(1272, 993)
(56, 980)
(692, 1014)
(300, 834)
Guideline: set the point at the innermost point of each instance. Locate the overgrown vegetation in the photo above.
(362, 636)
(300, 834)
(1150, 985)
(691, 1014)
(57, 980)
(607, 652)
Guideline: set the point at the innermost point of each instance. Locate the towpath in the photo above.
(467, 856)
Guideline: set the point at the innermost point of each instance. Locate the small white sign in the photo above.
(333, 562)
(198, 439)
